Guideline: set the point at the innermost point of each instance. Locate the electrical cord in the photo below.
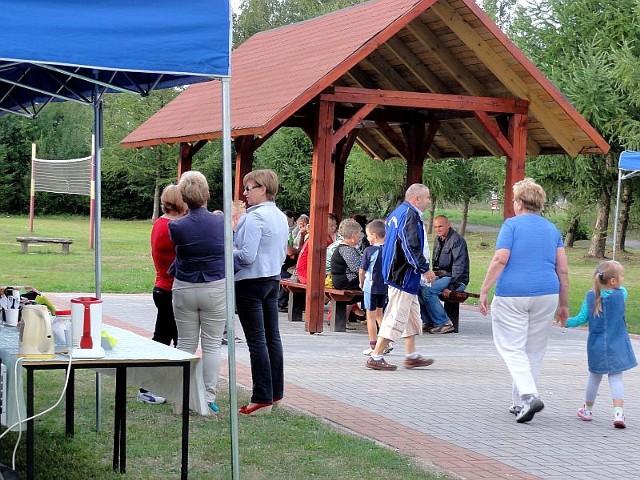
(21, 421)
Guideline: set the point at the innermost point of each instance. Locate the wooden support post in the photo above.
(314, 311)
(185, 159)
(515, 163)
(415, 137)
(244, 162)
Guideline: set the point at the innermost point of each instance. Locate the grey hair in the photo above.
(349, 227)
(416, 189)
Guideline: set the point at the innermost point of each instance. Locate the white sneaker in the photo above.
(585, 414)
(367, 351)
(388, 348)
(150, 399)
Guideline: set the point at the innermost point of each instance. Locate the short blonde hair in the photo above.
(265, 178)
(530, 194)
(194, 189)
(171, 200)
(377, 227)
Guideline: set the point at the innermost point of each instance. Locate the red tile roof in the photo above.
(438, 46)
(272, 70)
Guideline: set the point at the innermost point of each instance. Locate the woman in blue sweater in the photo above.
(609, 349)
(260, 249)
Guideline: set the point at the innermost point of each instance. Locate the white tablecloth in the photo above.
(164, 381)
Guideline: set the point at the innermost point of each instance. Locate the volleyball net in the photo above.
(70, 176)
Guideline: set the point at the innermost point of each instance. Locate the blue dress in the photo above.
(609, 348)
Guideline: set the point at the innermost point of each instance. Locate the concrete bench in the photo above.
(25, 241)
(339, 299)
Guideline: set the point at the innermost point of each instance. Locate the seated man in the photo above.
(450, 262)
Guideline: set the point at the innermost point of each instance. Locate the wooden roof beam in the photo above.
(510, 79)
(426, 100)
(398, 83)
(351, 123)
(462, 75)
(433, 83)
(396, 140)
(494, 130)
(371, 145)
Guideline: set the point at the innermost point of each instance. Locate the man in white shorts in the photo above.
(404, 262)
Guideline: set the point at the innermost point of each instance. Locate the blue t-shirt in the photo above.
(377, 285)
(532, 241)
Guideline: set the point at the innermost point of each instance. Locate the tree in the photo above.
(260, 15)
(16, 136)
(135, 174)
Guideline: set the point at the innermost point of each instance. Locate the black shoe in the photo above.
(283, 309)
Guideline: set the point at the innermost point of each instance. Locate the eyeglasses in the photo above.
(248, 189)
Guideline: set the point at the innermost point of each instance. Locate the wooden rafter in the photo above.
(398, 83)
(462, 75)
(352, 123)
(492, 127)
(396, 140)
(509, 78)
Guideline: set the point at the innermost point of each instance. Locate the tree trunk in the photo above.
(465, 217)
(626, 201)
(570, 237)
(432, 213)
(156, 203)
(599, 236)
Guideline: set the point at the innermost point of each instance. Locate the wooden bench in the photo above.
(25, 241)
(339, 299)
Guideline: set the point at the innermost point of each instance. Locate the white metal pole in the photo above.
(227, 186)
(615, 220)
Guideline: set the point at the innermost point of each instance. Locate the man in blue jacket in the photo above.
(405, 260)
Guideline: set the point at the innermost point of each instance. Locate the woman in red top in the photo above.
(163, 252)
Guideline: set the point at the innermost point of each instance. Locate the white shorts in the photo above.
(402, 316)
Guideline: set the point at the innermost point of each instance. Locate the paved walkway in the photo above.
(453, 415)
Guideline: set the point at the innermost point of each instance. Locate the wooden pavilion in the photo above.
(402, 78)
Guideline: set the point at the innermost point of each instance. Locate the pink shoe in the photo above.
(585, 414)
(618, 420)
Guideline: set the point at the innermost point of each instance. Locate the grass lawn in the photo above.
(283, 445)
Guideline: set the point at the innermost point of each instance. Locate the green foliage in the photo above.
(371, 187)
(133, 174)
(16, 136)
(289, 152)
(260, 15)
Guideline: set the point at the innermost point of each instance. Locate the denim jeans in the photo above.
(257, 306)
(431, 309)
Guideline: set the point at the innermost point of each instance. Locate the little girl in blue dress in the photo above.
(609, 349)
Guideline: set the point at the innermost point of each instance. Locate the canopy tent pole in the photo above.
(615, 220)
(227, 200)
(97, 148)
(630, 162)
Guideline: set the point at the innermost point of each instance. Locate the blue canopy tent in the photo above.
(77, 51)
(629, 162)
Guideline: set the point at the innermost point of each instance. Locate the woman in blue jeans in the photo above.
(259, 251)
